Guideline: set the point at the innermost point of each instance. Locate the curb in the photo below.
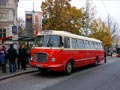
(17, 74)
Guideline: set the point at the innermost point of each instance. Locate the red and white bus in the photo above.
(64, 51)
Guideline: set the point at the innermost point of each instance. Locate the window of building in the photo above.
(3, 15)
(3, 2)
(2, 33)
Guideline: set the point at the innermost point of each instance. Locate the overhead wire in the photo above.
(101, 16)
(105, 7)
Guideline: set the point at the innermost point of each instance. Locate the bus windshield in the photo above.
(49, 41)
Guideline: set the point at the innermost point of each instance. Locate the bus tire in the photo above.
(69, 68)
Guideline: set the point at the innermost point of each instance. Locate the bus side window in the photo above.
(94, 45)
(81, 44)
(66, 42)
(100, 45)
(87, 46)
(74, 43)
(91, 44)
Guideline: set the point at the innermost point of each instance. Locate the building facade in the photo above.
(8, 16)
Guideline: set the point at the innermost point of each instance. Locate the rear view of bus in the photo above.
(64, 51)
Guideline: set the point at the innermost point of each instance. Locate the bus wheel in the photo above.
(69, 68)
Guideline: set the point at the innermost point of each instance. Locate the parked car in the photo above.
(118, 55)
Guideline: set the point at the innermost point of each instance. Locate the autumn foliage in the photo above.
(60, 15)
(100, 31)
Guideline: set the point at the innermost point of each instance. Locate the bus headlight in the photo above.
(53, 59)
(31, 59)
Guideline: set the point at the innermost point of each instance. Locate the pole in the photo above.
(34, 25)
(87, 17)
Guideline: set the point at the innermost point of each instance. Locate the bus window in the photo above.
(39, 41)
(96, 45)
(81, 44)
(66, 42)
(87, 44)
(74, 43)
(93, 45)
(49, 41)
(100, 46)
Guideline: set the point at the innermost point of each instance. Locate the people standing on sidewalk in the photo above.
(12, 56)
(22, 57)
(3, 60)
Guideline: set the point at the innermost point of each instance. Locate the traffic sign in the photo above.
(15, 37)
(14, 29)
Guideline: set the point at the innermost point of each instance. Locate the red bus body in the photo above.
(79, 57)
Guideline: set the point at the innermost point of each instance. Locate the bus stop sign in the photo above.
(14, 29)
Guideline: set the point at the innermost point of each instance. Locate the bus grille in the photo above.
(40, 57)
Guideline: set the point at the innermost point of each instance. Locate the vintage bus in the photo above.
(64, 51)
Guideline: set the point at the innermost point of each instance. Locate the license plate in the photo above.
(38, 65)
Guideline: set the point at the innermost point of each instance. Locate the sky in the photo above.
(103, 7)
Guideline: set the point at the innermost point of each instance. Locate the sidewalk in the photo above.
(7, 75)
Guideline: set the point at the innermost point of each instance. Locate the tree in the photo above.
(100, 31)
(21, 27)
(112, 25)
(60, 15)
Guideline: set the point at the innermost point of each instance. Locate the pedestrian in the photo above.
(22, 57)
(19, 58)
(3, 60)
(111, 52)
(12, 56)
(105, 60)
(4, 48)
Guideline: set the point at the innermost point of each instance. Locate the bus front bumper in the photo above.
(54, 67)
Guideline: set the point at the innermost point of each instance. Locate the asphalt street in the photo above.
(103, 77)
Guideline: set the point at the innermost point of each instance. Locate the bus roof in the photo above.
(67, 34)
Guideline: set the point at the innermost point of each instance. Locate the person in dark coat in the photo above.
(105, 60)
(3, 60)
(12, 56)
(22, 56)
(19, 58)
